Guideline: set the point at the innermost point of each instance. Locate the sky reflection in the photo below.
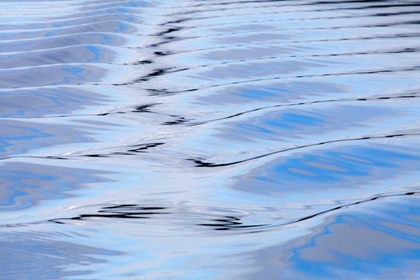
(376, 240)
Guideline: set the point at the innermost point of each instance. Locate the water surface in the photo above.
(209, 139)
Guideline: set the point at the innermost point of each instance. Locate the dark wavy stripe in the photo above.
(201, 163)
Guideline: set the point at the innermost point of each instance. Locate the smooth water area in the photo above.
(220, 139)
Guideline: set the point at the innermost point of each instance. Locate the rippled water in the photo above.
(222, 139)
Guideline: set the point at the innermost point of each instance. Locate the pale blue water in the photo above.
(214, 139)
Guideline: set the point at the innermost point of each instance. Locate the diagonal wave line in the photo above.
(202, 163)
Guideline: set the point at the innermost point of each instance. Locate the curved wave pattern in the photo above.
(223, 139)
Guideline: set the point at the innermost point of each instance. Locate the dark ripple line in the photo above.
(115, 212)
(130, 151)
(295, 18)
(310, 10)
(182, 120)
(398, 35)
(232, 62)
(201, 163)
(176, 39)
(228, 223)
(314, 28)
(135, 109)
(159, 92)
(390, 5)
(407, 95)
(249, 44)
(342, 207)
(292, 11)
(167, 92)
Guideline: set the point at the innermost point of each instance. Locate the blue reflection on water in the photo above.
(28, 255)
(77, 71)
(378, 239)
(47, 101)
(16, 133)
(20, 136)
(341, 166)
(23, 185)
(96, 51)
(363, 243)
(288, 120)
(333, 165)
(62, 41)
